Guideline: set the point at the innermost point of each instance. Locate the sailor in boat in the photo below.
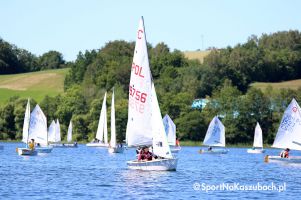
(285, 153)
(209, 148)
(31, 145)
(177, 142)
(145, 155)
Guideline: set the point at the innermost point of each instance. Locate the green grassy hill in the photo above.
(293, 84)
(35, 85)
(199, 55)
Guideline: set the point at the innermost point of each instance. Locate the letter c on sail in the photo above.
(140, 33)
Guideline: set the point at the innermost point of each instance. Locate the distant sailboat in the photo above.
(289, 135)
(145, 125)
(258, 144)
(26, 151)
(69, 139)
(114, 148)
(101, 139)
(170, 129)
(215, 137)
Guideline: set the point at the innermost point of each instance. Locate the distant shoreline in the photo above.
(186, 143)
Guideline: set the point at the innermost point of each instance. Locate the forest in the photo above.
(223, 78)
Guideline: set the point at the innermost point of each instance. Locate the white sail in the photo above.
(160, 143)
(51, 131)
(139, 130)
(26, 122)
(258, 136)
(215, 135)
(38, 126)
(113, 127)
(289, 135)
(69, 134)
(102, 130)
(170, 129)
(57, 131)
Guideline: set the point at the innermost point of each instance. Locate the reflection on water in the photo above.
(86, 173)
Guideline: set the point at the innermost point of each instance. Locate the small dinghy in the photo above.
(69, 143)
(288, 135)
(258, 143)
(170, 129)
(215, 137)
(26, 151)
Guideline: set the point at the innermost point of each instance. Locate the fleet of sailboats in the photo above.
(215, 137)
(145, 125)
(258, 143)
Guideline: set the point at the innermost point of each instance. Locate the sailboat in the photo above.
(258, 144)
(215, 137)
(170, 129)
(145, 125)
(113, 147)
(288, 135)
(26, 151)
(38, 130)
(101, 139)
(69, 139)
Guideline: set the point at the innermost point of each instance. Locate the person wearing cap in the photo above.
(285, 153)
(145, 154)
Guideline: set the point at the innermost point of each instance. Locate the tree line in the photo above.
(224, 78)
(15, 60)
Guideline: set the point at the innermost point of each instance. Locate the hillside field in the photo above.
(34, 85)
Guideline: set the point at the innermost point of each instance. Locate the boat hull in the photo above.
(116, 150)
(256, 150)
(26, 152)
(214, 151)
(44, 149)
(291, 159)
(64, 145)
(97, 145)
(154, 165)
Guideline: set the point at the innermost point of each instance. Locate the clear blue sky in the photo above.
(70, 26)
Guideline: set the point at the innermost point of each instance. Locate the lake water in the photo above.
(93, 173)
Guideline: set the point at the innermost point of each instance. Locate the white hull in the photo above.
(154, 165)
(291, 159)
(214, 151)
(44, 149)
(116, 150)
(97, 144)
(26, 152)
(256, 150)
(64, 145)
